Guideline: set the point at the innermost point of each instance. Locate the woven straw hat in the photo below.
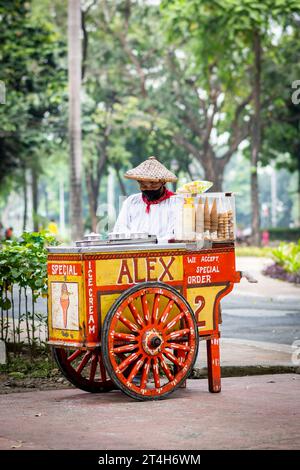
(151, 170)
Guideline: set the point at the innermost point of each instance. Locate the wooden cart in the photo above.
(131, 316)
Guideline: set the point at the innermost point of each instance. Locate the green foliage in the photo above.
(23, 366)
(23, 263)
(220, 34)
(287, 255)
(156, 80)
(34, 75)
(284, 234)
(254, 251)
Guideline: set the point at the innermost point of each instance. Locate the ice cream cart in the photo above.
(128, 312)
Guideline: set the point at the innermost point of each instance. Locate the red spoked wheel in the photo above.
(84, 369)
(149, 341)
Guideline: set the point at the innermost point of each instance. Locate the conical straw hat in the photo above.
(151, 170)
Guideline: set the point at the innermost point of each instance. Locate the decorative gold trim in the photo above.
(143, 254)
(64, 257)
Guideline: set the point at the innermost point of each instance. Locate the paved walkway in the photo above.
(266, 287)
(246, 353)
(258, 412)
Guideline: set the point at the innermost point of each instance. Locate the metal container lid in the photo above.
(95, 239)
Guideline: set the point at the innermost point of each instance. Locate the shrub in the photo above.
(23, 263)
(287, 255)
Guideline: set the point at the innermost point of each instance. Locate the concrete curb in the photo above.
(274, 298)
(243, 371)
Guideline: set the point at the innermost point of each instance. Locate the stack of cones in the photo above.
(223, 226)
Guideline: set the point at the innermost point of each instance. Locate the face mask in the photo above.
(153, 194)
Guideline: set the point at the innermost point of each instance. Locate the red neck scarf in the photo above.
(166, 195)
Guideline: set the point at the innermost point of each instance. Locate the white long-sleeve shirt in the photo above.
(134, 218)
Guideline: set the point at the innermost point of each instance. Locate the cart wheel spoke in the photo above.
(135, 369)
(166, 369)
(80, 368)
(145, 374)
(145, 308)
(177, 334)
(179, 346)
(93, 367)
(166, 312)
(102, 369)
(73, 356)
(174, 321)
(156, 376)
(126, 348)
(171, 357)
(124, 337)
(136, 315)
(84, 362)
(141, 362)
(129, 324)
(129, 360)
(155, 310)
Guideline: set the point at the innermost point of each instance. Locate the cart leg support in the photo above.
(213, 364)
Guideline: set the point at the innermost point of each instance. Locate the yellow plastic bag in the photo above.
(195, 187)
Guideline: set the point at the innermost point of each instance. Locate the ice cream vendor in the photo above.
(152, 209)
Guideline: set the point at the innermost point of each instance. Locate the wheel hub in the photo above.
(152, 342)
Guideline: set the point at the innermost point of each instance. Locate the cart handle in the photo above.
(249, 277)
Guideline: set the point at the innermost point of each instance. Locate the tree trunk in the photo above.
(120, 181)
(34, 186)
(214, 170)
(74, 59)
(25, 200)
(256, 140)
(92, 197)
(93, 176)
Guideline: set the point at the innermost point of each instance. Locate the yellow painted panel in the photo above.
(132, 270)
(73, 329)
(205, 314)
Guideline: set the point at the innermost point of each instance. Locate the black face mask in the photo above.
(153, 194)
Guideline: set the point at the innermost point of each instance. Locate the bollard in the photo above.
(2, 352)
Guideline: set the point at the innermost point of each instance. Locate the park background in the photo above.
(92, 88)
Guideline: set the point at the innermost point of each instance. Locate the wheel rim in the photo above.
(151, 342)
(84, 368)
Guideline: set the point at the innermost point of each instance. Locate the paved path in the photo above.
(266, 287)
(244, 353)
(258, 412)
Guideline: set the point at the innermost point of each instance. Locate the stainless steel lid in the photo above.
(95, 239)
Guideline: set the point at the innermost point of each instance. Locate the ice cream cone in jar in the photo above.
(65, 302)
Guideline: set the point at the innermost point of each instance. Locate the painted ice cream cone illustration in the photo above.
(64, 302)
